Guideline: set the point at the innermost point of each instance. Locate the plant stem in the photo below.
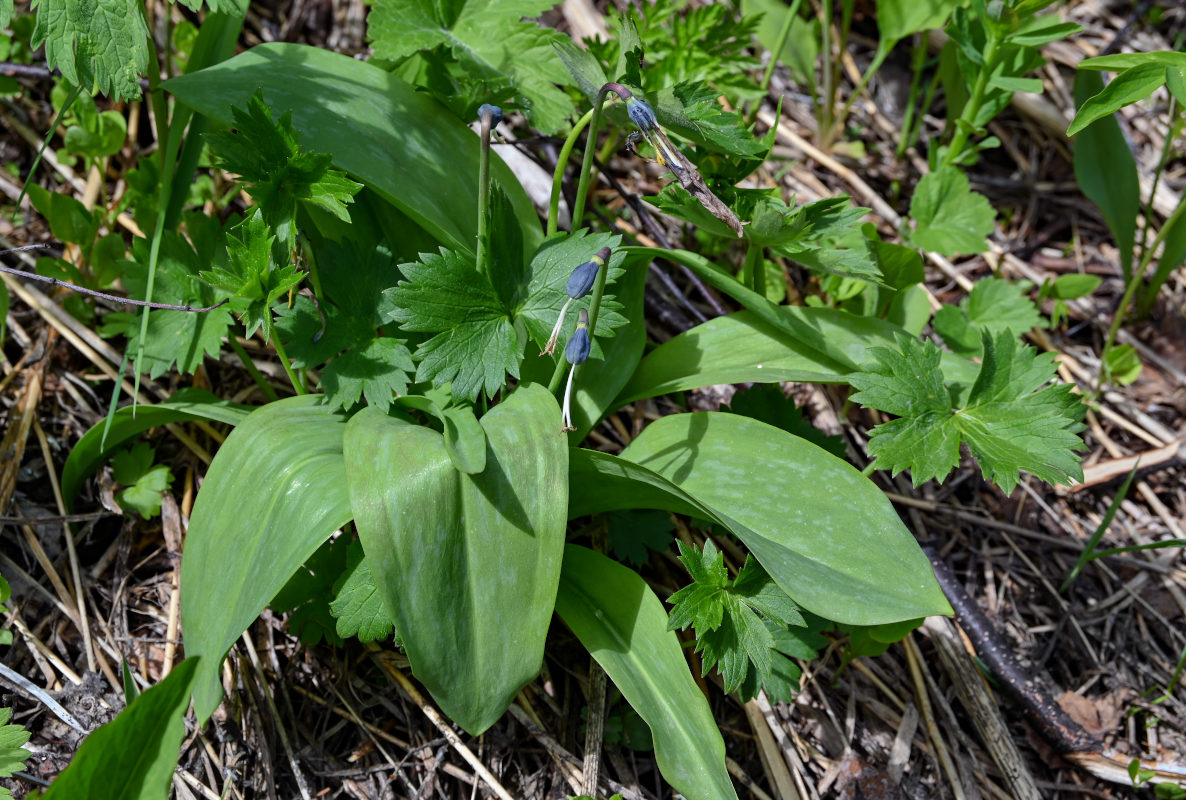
(1163, 270)
(483, 249)
(578, 211)
(883, 51)
(297, 386)
(594, 308)
(784, 33)
(827, 93)
(558, 174)
(755, 268)
(918, 58)
(1130, 290)
(972, 107)
(252, 370)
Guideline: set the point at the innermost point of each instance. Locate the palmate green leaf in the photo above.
(175, 337)
(283, 463)
(358, 604)
(99, 45)
(1011, 420)
(381, 130)
(140, 746)
(949, 217)
(488, 39)
(994, 305)
(622, 624)
(144, 482)
(822, 531)
(378, 371)
(476, 555)
(266, 155)
(475, 345)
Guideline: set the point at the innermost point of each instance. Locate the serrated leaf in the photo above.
(144, 483)
(1010, 421)
(99, 45)
(949, 217)
(489, 42)
(475, 345)
(306, 597)
(549, 271)
(12, 754)
(631, 535)
(994, 305)
(357, 603)
(175, 337)
(378, 370)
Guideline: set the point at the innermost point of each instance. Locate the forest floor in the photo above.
(915, 722)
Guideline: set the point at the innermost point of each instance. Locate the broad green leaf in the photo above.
(92, 451)
(1074, 285)
(1042, 30)
(994, 305)
(477, 556)
(1122, 364)
(68, 219)
(99, 45)
(1107, 172)
(949, 217)
(802, 44)
(767, 402)
(275, 492)
(382, 131)
(1125, 89)
(897, 19)
(133, 756)
(1011, 420)
(491, 42)
(824, 532)
(465, 440)
(1117, 62)
(582, 65)
(622, 624)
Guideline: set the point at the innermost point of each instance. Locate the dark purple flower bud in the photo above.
(642, 115)
(578, 346)
(581, 280)
(494, 111)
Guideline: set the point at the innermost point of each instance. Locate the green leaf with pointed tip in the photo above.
(1125, 89)
(140, 746)
(381, 130)
(477, 556)
(621, 622)
(823, 532)
(92, 451)
(949, 217)
(275, 491)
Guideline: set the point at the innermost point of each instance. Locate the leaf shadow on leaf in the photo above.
(496, 487)
(697, 428)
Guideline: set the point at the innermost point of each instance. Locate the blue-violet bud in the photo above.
(582, 278)
(642, 115)
(577, 350)
(494, 111)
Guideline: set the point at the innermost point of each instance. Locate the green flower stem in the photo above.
(1161, 275)
(578, 211)
(1134, 281)
(918, 59)
(297, 386)
(483, 194)
(784, 33)
(975, 101)
(558, 174)
(883, 51)
(252, 370)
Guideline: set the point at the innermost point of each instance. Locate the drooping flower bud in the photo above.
(577, 350)
(642, 115)
(582, 278)
(494, 111)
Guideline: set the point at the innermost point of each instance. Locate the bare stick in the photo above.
(81, 290)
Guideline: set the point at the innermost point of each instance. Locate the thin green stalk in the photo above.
(483, 250)
(578, 211)
(297, 386)
(918, 60)
(1161, 275)
(874, 65)
(1093, 542)
(1134, 281)
(558, 173)
(754, 266)
(911, 136)
(252, 370)
(972, 108)
(594, 309)
(784, 33)
(828, 91)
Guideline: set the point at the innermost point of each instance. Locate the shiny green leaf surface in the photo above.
(468, 564)
(621, 622)
(91, 451)
(275, 492)
(397, 140)
(824, 532)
